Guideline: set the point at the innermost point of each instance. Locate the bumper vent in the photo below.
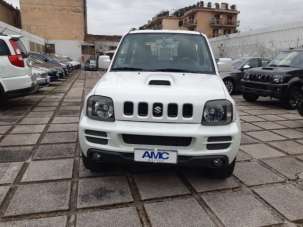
(96, 137)
(218, 143)
(157, 140)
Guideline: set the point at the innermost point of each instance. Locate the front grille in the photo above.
(260, 77)
(158, 110)
(157, 140)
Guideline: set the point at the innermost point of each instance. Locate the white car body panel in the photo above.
(13, 78)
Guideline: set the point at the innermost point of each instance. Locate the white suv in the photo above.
(161, 101)
(15, 73)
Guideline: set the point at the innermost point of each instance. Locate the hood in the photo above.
(155, 86)
(273, 70)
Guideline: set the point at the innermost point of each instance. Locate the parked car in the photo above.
(162, 101)
(44, 59)
(63, 61)
(53, 72)
(91, 65)
(75, 64)
(300, 99)
(280, 79)
(41, 76)
(232, 78)
(15, 72)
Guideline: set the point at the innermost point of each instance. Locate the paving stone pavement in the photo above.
(43, 182)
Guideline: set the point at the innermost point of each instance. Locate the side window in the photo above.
(254, 63)
(4, 51)
(265, 62)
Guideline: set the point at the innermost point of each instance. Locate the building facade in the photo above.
(54, 19)
(213, 20)
(9, 14)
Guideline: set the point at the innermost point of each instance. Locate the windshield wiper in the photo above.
(272, 65)
(127, 69)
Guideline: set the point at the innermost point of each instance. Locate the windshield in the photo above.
(237, 64)
(164, 52)
(288, 59)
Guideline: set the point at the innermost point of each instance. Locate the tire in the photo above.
(292, 100)
(221, 173)
(3, 98)
(300, 108)
(250, 97)
(230, 85)
(91, 165)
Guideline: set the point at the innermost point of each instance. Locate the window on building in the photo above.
(215, 32)
(88, 50)
(50, 48)
(230, 20)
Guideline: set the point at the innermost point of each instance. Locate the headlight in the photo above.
(217, 112)
(100, 108)
(246, 76)
(278, 79)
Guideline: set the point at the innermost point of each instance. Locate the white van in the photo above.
(15, 72)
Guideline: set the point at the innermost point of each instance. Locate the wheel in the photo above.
(90, 164)
(292, 100)
(300, 108)
(229, 85)
(222, 173)
(3, 98)
(250, 97)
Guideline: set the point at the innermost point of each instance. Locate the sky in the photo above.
(115, 17)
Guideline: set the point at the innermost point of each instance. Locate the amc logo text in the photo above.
(155, 155)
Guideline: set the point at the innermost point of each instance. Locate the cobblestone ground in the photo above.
(43, 182)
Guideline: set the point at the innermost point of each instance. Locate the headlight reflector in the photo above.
(217, 112)
(278, 79)
(100, 108)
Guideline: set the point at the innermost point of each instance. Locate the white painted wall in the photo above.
(70, 48)
(264, 42)
(27, 37)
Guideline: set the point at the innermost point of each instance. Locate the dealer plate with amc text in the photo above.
(156, 156)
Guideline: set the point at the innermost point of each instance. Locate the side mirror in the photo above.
(246, 67)
(104, 62)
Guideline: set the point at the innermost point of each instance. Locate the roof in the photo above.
(165, 31)
(9, 6)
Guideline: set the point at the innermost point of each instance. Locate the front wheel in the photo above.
(300, 108)
(250, 97)
(292, 100)
(223, 172)
(229, 85)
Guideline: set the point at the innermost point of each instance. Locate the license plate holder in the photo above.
(159, 156)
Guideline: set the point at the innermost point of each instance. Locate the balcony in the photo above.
(215, 22)
(190, 24)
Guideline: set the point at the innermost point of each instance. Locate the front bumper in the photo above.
(264, 89)
(108, 137)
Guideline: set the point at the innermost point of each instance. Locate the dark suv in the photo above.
(280, 79)
(239, 67)
(300, 102)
